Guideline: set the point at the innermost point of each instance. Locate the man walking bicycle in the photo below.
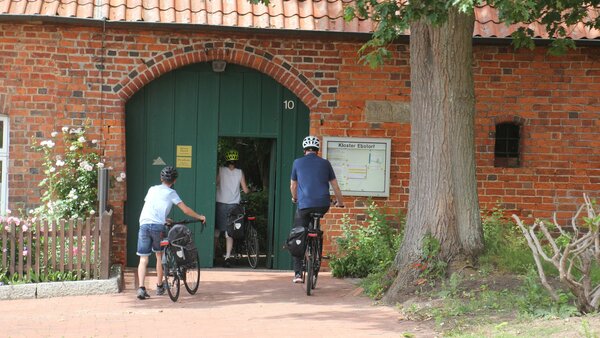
(310, 180)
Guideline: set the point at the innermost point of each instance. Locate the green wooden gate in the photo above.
(177, 120)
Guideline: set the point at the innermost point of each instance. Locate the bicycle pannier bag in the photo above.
(183, 247)
(296, 241)
(180, 235)
(235, 229)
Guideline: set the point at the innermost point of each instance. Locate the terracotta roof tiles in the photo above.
(308, 15)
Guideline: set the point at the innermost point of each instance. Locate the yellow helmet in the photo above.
(232, 155)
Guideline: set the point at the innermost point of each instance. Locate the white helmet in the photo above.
(311, 142)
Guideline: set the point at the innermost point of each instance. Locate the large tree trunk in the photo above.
(443, 187)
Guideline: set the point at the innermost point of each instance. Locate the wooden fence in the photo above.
(81, 247)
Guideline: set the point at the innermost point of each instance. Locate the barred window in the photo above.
(506, 150)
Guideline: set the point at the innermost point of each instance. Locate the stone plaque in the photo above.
(387, 111)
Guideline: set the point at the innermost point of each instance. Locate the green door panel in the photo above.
(191, 108)
(136, 171)
(294, 126)
(206, 155)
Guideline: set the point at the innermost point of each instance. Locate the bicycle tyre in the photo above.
(309, 268)
(191, 276)
(171, 275)
(251, 242)
(317, 262)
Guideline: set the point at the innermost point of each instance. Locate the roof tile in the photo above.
(307, 15)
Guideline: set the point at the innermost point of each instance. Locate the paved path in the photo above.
(229, 303)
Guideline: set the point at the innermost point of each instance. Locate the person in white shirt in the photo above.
(157, 205)
(229, 180)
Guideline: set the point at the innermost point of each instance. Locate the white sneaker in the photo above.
(297, 278)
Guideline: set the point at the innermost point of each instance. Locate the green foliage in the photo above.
(70, 164)
(47, 276)
(506, 249)
(431, 266)
(362, 250)
(535, 301)
(395, 17)
(258, 206)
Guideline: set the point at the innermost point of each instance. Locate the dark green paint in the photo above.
(194, 106)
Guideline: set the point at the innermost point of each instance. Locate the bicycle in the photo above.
(181, 261)
(313, 253)
(248, 243)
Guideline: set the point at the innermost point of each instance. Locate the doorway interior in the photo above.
(255, 161)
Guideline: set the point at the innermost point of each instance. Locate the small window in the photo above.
(506, 150)
(3, 163)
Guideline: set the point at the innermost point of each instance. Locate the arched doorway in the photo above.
(178, 118)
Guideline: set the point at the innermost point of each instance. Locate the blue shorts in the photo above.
(149, 238)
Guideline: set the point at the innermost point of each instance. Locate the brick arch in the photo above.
(232, 52)
(509, 119)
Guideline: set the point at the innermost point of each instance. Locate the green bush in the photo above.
(506, 248)
(362, 250)
(70, 166)
(48, 275)
(258, 206)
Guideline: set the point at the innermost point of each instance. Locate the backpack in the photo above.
(235, 227)
(296, 241)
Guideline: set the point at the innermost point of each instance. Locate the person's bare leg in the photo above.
(228, 246)
(159, 268)
(142, 270)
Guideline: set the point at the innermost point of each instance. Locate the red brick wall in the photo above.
(52, 75)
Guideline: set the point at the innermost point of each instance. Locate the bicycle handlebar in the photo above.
(186, 221)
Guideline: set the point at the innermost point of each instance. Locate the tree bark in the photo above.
(443, 198)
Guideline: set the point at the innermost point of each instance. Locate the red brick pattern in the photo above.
(52, 75)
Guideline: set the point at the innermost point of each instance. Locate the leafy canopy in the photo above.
(394, 18)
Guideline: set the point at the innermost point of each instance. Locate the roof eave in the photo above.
(356, 36)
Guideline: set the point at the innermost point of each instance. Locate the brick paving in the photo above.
(229, 303)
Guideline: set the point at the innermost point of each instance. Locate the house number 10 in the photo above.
(288, 104)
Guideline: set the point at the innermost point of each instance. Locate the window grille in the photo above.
(506, 150)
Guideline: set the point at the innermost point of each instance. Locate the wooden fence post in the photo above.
(105, 222)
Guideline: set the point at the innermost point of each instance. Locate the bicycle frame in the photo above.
(249, 244)
(173, 271)
(313, 253)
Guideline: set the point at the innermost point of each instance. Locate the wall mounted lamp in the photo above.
(218, 66)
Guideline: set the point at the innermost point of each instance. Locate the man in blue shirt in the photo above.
(310, 180)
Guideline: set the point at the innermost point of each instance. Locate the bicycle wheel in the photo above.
(317, 262)
(251, 244)
(171, 273)
(310, 263)
(191, 275)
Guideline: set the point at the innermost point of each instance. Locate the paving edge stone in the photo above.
(114, 284)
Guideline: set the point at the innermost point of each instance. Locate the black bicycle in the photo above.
(181, 261)
(313, 253)
(247, 242)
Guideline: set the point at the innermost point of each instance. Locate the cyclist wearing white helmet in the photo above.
(157, 205)
(229, 180)
(310, 181)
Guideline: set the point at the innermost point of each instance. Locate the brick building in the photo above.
(62, 63)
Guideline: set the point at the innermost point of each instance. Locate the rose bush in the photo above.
(70, 165)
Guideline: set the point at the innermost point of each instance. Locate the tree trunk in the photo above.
(443, 187)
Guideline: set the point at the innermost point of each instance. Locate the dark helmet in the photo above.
(168, 174)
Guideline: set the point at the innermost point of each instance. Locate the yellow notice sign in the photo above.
(184, 162)
(185, 151)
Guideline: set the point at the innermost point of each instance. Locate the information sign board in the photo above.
(361, 165)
